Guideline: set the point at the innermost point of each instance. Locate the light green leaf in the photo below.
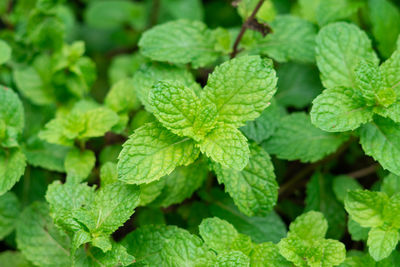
(310, 225)
(390, 69)
(241, 89)
(297, 139)
(181, 184)
(320, 197)
(343, 184)
(152, 152)
(149, 74)
(267, 255)
(180, 42)
(340, 47)
(391, 184)
(12, 167)
(232, 259)
(336, 110)
(14, 259)
(9, 211)
(122, 96)
(11, 111)
(391, 212)
(392, 112)
(368, 80)
(98, 122)
(149, 192)
(5, 52)
(176, 107)
(385, 19)
(227, 146)
(265, 125)
(159, 245)
(39, 240)
(254, 189)
(79, 164)
(108, 173)
(292, 39)
(65, 199)
(382, 241)
(333, 10)
(366, 207)
(381, 140)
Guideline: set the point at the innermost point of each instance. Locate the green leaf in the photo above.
(336, 110)
(298, 84)
(320, 197)
(385, 19)
(264, 126)
(12, 167)
(152, 152)
(340, 47)
(241, 89)
(254, 189)
(176, 107)
(391, 211)
(39, 240)
(112, 206)
(159, 245)
(292, 39)
(149, 192)
(357, 232)
(122, 96)
(390, 69)
(5, 52)
(366, 207)
(39, 153)
(310, 225)
(9, 211)
(342, 184)
(334, 10)
(382, 241)
(149, 74)
(267, 253)
(368, 80)
(108, 173)
(232, 259)
(227, 146)
(180, 42)
(14, 259)
(391, 184)
(181, 184)
(79, 164)
(297, 139)
(380, 139)
(65, 199)
(11, 114)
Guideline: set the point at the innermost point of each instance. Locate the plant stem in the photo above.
(363, 172)
(245, 25)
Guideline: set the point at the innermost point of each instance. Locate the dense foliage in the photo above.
(199, 133)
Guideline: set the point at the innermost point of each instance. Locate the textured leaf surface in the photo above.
(122, 96)
(368, 80)
(340, 46)
(152, 152)
(391, 184)
(366, 207)
(292, 39)
(241, 89)
(9, 211)
(333, 10)
(381, 140)
(297, 139)
(227, 146)
(39, 240)
(232, 259)
(12, 167)
(179, 42)
(11, 113)
(336, 110)
(381, 242)
(390, 69)
(158, 245)
(78, 164)
(253, 189)
(267, 255)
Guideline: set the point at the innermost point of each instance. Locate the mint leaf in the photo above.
(227, 146)
(12, 167)
(233, 258)
(389, 70)
(8, 213)
(292, 39)
(122, 96)
(267, 253)
(385, 19)
(297, 139)
(152, 152)
(39, 240)
(79, 164)
(241, 89)
(335, 110)
(379, 139)
(391, 184)
(382, 241)
(179, 42)
(369, 80)
(12, 258)
(366, 207)
(5, 52)
(340, 47)
(333, 10)
(253, 189)
(11, 116)
(342, 184)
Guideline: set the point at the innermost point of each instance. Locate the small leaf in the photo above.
(382, 241)
(79, 164)
(9, 211)
(5, 52)
(12, 167)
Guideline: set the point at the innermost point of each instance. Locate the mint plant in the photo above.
(177, 133)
